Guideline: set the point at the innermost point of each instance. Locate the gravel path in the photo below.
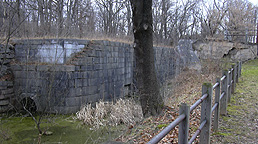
(240, 125)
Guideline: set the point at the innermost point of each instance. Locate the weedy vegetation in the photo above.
(123, 111)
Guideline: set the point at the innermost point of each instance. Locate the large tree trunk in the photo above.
(146, 79)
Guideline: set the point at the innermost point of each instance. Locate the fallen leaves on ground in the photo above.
(186, 89)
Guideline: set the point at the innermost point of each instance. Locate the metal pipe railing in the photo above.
(214, 107)
(223, 84)
(166, 130)
(222, 95)
(198, 131)
(198, 102)
(215, 85)
(222, 78)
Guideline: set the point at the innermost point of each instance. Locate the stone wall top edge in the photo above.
(77, 41)
(111, 43)
(67, 40)
(48, 41)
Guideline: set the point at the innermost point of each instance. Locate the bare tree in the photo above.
(172, 19)
(109, 11)
(239, 20)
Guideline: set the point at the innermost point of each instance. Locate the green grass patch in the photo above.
(222, 134)
(160, 126)
(243, 109)
(64, 129)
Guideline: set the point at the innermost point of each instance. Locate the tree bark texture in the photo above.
(145, 73)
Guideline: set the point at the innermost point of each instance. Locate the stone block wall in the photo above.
(6, 95)
(223, 49)
(61, 75)
(48, 85)
(96, 70)
(6, 78)
(47, 50)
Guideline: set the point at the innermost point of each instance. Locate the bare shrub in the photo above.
(123, 111)
(86, 114)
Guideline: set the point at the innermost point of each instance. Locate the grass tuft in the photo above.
(123, 111)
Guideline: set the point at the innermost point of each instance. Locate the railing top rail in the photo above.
(215, 85)
(222, 78)
(197, 132)
(230, 70)
(166, 130)
(181, 117)
(198, 102)
(214, 107)
(221, 96)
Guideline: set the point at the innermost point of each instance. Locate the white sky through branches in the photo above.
(255, 2)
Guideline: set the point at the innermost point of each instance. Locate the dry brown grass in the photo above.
(123, 111)
(123, 39)
(186, 87)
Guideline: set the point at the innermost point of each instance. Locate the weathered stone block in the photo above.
(92, 90)
(94, 81)
(78, 75)
(43, 68)
(6, 83)
(85, 82)
(6, 96)
(75, 92)
(98, 66)
(93, 98)
(101, 73)
(4, 102)
(74, 101)
(7, 91)
(84, 100)
(4, 108)
(78, 83)
(88, 60)
(66, 109)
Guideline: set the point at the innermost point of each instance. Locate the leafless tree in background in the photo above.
(172, 19)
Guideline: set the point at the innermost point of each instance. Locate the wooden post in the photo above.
(184, 125)
(206, 113)
(216, 112)
(224, 89)
(240, 69)
(234, 78)
(229, 85)
(237, 71)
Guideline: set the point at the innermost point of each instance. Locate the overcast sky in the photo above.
(255, 2)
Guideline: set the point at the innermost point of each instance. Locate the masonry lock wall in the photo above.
(62, 75)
